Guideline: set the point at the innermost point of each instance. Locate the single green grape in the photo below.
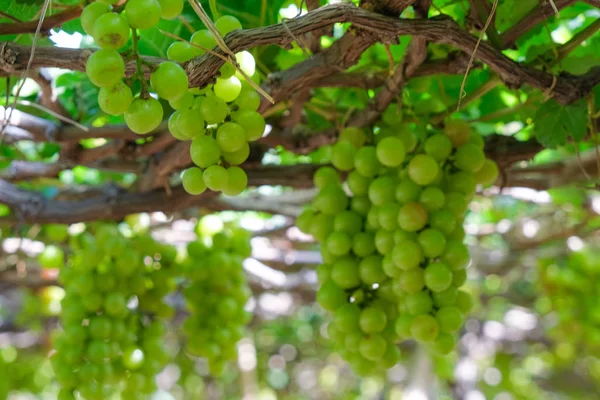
(432, 242)
(169, 81)
(248, 99)
(115, 100)
(345, 274)
(237, 181)
(181, 52)
(231, 137)
(458, 132)
(353, 135)
(144, 115)
(227, 23)
(190, 124)
(111, 31)
(423, 169)
(348, 222)
(215, 177)
(424, 328)
(239, 156)
(185, 102)
(247, 64)
(407, 255)
(205, 39)
(366, 161)
(372, 347)
(228, 89)
(170, 9)
(253, 123)
(214, 110)
(412, 217)
(391, 151)
(342, 156)
(326, 176)
(105, 68)
(439, 147)
(469, 158)
(193, 181)
(488, 173)
(205, 151)
(91, 13)
(449, 319)
(142, 14)
(438, 277)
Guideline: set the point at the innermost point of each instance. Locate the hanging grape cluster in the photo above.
(570, 290)
(216, 296)
(220, 119)
(112, 338)
(392, 239)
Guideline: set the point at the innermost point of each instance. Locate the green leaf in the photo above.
(554, 123)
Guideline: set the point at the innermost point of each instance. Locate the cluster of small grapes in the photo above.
(110, 28)
(570, 289)
(393, 247)
(112, 338)
(216, 296)
(220, 119)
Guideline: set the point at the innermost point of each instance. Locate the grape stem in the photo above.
(138, 62)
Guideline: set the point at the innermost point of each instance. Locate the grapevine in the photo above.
(392, 239)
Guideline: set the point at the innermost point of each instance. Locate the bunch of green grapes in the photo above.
(112, 337)
(220, 120)
(216, 295)
(392, 239)
(110, 27)
(570, 289)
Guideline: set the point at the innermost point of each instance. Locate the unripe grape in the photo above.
(423, 169)
(239, 156)
(326, 176)
(190, 124)
(438, 277)
(253, 123)
(169, 81)
(469, 158)
(185, 102)
(105, 68)
(346, 318)
(407, 191)
(52, 257)
(353, 135)
(373, 347)
(144, 115)
(439, 147)
(449, 319)
(342, 156)
(412, 217)
(330, 296)
(205, 39)
(432, 242)
(419, 303)
(424, 328)
(371, 271)
(391, 151)
(345, 274)
(432, 198)
(91, 13)
(115, 100)
(205, 151)
(358, 184)
(231, 137)
(170, 9)
(247, 64)
(111, 31)
(487, 174)
(331, 200)
(142, 14)
(181, 52)
(215, 178)
(248, 99)
(227, 23)
(407, 255)
(444, 343)
(237, 181)
(214, 109)
(366, 161)
(193, 181)
(228, 89)
(458, 132)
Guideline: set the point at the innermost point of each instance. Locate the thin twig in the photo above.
(554, 8)
(54, 114)
(5, 15)
(485, 27)
(25, 73)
